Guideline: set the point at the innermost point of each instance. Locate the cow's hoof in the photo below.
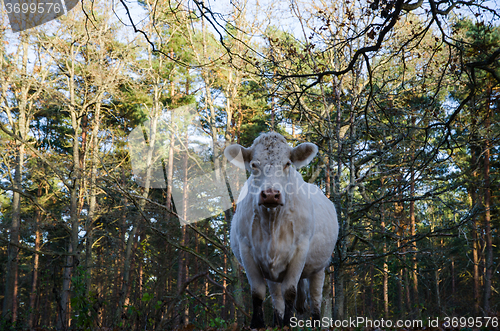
(257, 326)
(258, 314)
(257, 323)
(278, 320)
(316, 315)
(288, 316)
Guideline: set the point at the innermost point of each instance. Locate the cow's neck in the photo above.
(271, 220)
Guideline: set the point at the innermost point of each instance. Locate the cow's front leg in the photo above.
(290, 283)
(258, 312)
(278, 303)
(316, 289)
(258, 287)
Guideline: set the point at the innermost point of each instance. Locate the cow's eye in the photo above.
(288, 164)
(253, 165)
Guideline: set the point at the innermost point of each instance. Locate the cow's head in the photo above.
(270, 161)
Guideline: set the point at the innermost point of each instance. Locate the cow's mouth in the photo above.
(271, 205)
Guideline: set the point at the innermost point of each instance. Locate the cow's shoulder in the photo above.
(243, 217)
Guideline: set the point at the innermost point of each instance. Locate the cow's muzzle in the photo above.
(270, 198)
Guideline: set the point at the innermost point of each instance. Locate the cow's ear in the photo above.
(303, 154)
(238, 155)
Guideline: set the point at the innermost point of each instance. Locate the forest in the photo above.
(116, 199)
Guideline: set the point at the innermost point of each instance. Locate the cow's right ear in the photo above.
(303, 154)
(238, 155)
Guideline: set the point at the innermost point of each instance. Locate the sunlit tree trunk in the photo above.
(475, 260)
(385, 268)
(385, 281)
(414, 274)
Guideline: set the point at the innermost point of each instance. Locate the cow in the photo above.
(284, 230)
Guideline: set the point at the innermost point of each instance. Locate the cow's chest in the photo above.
(273, 248)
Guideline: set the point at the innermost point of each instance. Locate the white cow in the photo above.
(284, 230)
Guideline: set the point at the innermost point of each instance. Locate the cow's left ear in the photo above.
(303, 154)
(238, 155)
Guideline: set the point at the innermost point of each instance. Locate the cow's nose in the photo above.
(270, 198)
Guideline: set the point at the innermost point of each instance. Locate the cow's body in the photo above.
(284, 230)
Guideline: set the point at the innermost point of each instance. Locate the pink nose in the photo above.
(270, 198)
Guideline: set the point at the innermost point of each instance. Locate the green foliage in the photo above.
(218, 323)
(83, 301)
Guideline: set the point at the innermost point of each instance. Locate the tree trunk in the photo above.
(474, 223)
(238, 289)
(338, 274)
(224, 280)
(452, 278)
(385, 284)
(183, 264)
(93, 195)
(438, 295)
(140, 277)
(326, 305)
(338, 313)
(475, 260)
(407, 289)
(400, 292)
(36, 258)
(414, 275)
(385, 280)
(64, 318)
(76, 177)
(487, 221)
(10, 304)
